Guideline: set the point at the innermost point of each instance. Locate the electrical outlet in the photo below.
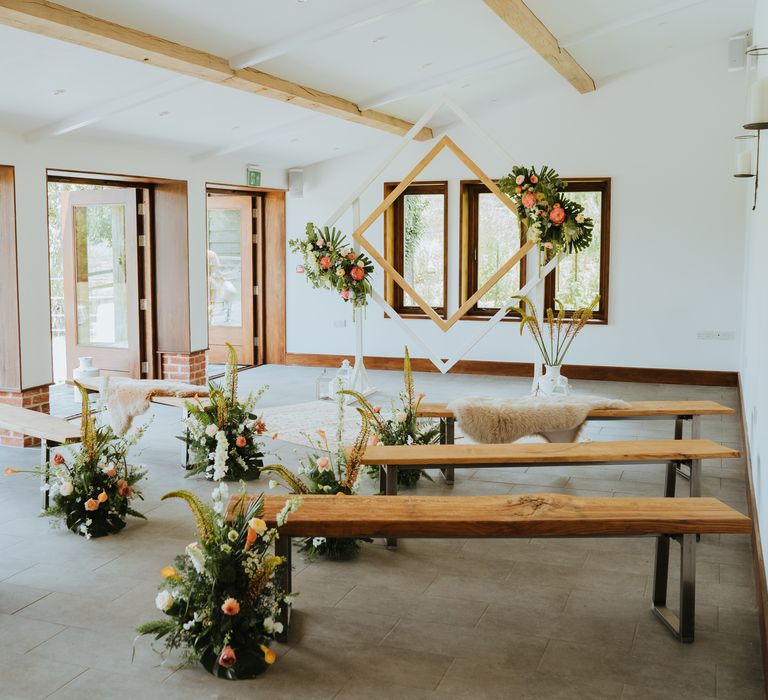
(340, 323)
(725, 335)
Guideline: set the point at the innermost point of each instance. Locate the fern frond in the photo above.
(408, 377)
(204, 515)
(231, 374)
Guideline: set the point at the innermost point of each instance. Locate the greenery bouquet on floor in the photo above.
(325, 472)
(403, 427)
(223, 433)
(331, 263)
(220, 598)
(92, 487)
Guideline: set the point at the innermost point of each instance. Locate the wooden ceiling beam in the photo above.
(533, 31)
(62, 23)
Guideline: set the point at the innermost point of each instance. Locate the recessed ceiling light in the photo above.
(235, 128)
(296, 140)
(337, 148)
(378, 39)
(301, 2)
(163, 114)
(466, 85)
(60, 91)
(426, 65)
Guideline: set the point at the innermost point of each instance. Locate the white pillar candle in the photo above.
(744, 163)
(759, 102)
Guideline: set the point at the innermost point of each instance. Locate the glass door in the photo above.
(101, 292)
(230, 278)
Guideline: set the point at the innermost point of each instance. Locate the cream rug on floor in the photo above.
(293, 423)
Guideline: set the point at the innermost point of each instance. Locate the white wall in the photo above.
(754, 365)
(31, 160)
(664, 135)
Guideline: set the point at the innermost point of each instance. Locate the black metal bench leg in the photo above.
(682, 626)
(45, 451)
(283, 549)
(391, 472)
(382, 480)
(450, 439)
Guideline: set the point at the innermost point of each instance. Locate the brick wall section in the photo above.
(36, 399)
(185, 367)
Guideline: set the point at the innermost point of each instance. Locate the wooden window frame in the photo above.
(394, 219)
(602, 185)
(468, 219)
(469, 196)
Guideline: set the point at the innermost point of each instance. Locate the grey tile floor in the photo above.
(435, 619)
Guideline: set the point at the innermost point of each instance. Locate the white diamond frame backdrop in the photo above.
(359, 379)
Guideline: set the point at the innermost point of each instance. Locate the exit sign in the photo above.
(253, 176)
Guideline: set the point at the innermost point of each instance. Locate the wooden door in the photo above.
(230, 278)
(101, 280)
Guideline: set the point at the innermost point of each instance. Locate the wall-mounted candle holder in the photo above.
(758, 109)
(743, 159)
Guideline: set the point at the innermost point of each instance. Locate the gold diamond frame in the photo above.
(358, 235)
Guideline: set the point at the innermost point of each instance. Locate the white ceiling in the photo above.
(397, 63)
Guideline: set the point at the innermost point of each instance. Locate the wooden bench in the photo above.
(532, 515)
(50, 430)
(391, 458)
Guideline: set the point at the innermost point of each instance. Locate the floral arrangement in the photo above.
(330, 262)
(403, 427)
(324, 472)
(220, 597)
(558, 222)
(93, 486)
(563, 329)
(223, 434)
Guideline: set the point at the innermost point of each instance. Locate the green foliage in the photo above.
(414, 224)
(403, 427)
(92, 487)
(223, 435)
(234, 565)
(557, 220)
(331, 263)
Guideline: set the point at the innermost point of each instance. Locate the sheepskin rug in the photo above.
(127, 398)
(557, 419)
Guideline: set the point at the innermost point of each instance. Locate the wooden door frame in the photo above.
(269, 273)
(134, 283)
(249, 272)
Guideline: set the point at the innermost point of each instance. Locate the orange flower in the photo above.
(259, 426)
(269, 656)
(169, 572)
(230, 607)
(111, 472)
(11, 471)
(102, 497)
(91, 504)
(274, 436)
(241, 441)
(58, 459)
(227, 658)
(341, 493)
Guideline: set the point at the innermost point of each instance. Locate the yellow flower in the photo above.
(169, 572)
(269, 656)
(11, 471)
(102, 497)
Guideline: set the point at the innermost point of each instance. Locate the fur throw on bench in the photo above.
(558, 419)
(127, 398)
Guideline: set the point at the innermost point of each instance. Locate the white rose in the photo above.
(271, 626)
(66, 488)
(211, 430)
(400, 417)
(164, 600)
(196, 556)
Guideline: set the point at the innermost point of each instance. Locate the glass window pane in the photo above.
(424, 247)
(102, 290)
(498, 239)
(578, 275)
(225, 263)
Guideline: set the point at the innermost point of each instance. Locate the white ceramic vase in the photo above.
(552, 382)
(85, 370)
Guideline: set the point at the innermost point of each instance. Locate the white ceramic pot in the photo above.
(85, 370)
(549, 380)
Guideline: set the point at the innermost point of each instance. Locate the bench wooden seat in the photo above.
(52, 431)
(390, 458)
(530, 515)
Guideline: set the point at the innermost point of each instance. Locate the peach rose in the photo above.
(227, 658)
(102, 497)
(123, 489)
(534, 179)
(111, 472)
(169, 572)
(325, 262)
(557, 215)
(520, 179)
(350, 256)
(528, 200)
(230, 607)
(58, 459)
(323, 464)
(357, 273)
(241, 441)
(259, 427)
(340, 272)
(518, 189)
(345, 294)
(91, 504)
